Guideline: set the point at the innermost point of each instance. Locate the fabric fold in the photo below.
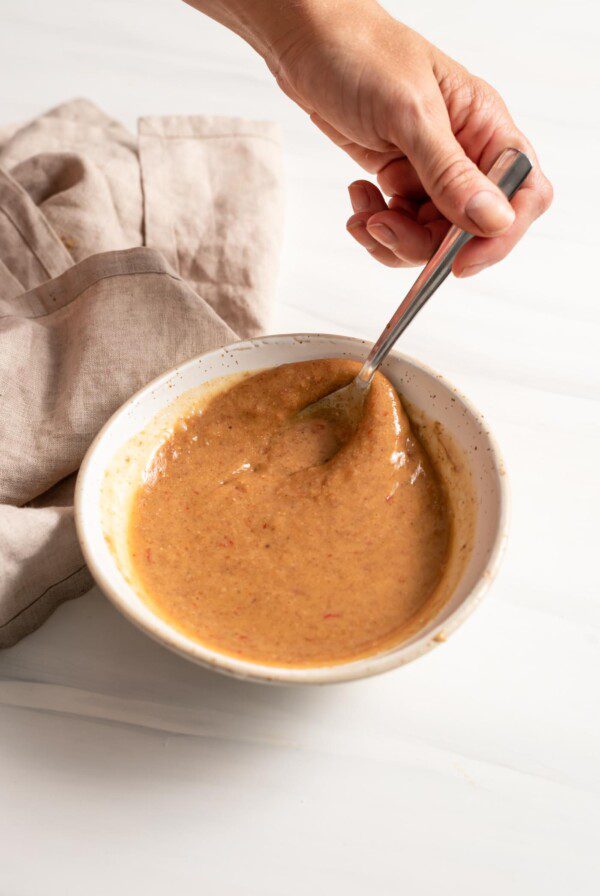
(212, 233)
(114, 266)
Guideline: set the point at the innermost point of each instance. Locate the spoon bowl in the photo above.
(343, 406)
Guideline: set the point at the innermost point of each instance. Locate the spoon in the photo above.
(508, 172)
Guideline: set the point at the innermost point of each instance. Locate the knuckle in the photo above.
(415, 110)
(449, 175)
(485, 89)
(486, 99)
(371, 160)
(537, 181)
(546, 192)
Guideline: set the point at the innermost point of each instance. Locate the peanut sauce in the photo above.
(286, 540)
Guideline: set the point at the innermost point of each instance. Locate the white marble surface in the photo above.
(123, 769)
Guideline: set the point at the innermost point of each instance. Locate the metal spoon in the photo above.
(508, 172)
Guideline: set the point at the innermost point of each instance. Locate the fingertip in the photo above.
(470, 270)
(355, 224)
(382, 233)
(358, 197)
(411, 241)
(364, 196)
(357, 229)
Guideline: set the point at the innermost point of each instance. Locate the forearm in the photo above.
(273, 27)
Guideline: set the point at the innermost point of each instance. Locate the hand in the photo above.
(404, 111)
(418, 120)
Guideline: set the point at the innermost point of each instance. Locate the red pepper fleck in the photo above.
(226, 543)
(389, 497)
(331, 615)
(149, 555)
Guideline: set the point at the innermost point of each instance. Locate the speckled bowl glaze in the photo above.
(420, 386)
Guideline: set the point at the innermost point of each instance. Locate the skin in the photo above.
(407, 113)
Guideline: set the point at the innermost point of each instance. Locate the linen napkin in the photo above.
(120, 256)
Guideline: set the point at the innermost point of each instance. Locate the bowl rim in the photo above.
(249, 671)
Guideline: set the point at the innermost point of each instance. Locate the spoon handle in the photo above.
(508, 172)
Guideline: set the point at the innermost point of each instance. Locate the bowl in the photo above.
(427, 394)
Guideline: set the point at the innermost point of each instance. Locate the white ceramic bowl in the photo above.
(418, 384)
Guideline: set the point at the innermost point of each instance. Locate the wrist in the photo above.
(280, 30)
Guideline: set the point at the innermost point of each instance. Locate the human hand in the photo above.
(418, 120)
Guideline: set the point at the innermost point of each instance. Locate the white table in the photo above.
(124, 769)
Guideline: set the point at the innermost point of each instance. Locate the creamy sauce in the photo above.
(287, 541)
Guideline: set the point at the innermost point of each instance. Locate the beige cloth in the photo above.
(186, 219)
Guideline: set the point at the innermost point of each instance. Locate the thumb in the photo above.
(456, 186)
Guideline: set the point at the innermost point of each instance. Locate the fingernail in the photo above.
(489, 212)
(473, 269)
(357, 226)
(360, 232)
(358, 197)
(383, 234)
